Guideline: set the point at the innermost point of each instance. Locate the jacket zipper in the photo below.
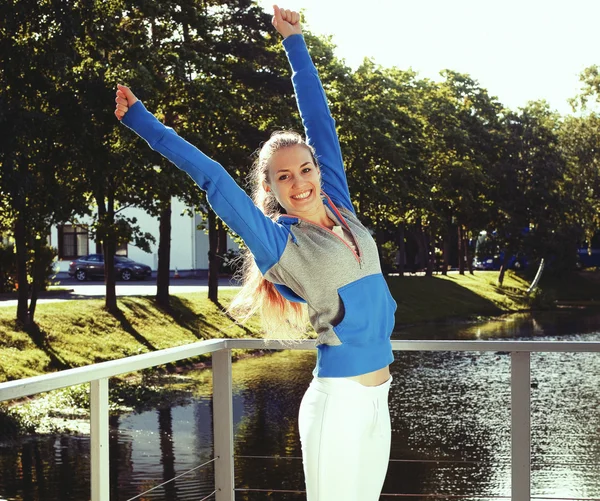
(341, 218)
(356, 256)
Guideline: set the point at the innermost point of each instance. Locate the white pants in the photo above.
(346, 436)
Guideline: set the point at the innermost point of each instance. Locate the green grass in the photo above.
(81, 332)
(422, 299)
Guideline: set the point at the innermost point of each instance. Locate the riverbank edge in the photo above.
(512, 298)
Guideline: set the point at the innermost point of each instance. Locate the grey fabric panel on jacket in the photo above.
(319, 263)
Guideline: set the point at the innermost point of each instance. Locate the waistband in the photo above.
(340, 385)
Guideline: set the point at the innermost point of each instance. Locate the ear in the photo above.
(266, 187)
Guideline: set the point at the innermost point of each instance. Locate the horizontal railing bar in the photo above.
(434, 345)
(71, 377)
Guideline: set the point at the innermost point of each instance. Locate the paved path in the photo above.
(96, 289)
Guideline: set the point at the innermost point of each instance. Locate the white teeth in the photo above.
(302, 195)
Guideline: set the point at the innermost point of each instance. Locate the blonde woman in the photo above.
(307, 247)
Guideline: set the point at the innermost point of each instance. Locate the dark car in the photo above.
(494, 263)
(93, 266)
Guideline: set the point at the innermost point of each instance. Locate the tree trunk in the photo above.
(430, 253)
(461, 251)
(401, 250)
(503, 269)
(422, 249)
(109, 246)
(38, 277)
(21, 248)
(469, 256)
(221, 242)
(213, 258)
(164, 254)
(446, 252)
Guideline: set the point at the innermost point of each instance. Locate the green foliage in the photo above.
(427, 160)
(42, 264)
(540, 299)
(389, 256)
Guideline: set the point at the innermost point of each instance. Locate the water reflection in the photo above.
(451, 426)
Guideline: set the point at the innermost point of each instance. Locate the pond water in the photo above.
(450, 418)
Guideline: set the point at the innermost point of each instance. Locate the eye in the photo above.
(306, 169)
(283, 177)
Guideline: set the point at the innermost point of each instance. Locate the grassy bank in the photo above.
(423, 299)
(80, 332)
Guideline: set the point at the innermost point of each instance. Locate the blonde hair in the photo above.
(280, 318)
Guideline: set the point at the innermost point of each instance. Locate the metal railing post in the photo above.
(521, 426)
(223, 425)
(100, 466)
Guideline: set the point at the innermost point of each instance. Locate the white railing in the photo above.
(98, 375)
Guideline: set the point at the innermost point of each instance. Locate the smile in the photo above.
(303, 195)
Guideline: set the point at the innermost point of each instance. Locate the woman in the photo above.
(315, 252)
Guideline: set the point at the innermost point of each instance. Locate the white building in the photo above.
(189, 246)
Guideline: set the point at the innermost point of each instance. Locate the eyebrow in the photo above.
(287, 170)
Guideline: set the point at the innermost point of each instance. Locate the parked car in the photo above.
(93, 266)
(494, 263)
(588, 258)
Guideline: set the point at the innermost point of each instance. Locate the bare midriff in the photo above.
(374, 378)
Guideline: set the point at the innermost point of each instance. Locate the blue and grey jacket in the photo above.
(349, 303)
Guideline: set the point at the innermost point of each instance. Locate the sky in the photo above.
(519, 50)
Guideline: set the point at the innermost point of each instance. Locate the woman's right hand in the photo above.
(125, 99)
(286, 22)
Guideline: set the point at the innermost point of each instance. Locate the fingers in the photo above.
(125, 99)
(287, 15)
(122, 103)
(276, 15)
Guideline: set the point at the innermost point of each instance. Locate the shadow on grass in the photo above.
(130, 329)
(433, 299)
(182, 312)
(40, 339)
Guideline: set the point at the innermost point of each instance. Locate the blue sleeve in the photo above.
(318, 122)
(263, 236)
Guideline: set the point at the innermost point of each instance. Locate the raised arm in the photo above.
(314, 110)
(265, 239)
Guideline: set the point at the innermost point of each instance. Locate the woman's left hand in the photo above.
(286, 22)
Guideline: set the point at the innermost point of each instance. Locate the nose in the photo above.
(297, 182)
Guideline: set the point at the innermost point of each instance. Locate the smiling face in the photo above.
(295, 181)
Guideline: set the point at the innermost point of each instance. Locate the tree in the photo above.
(38, 184)
(527, 193)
